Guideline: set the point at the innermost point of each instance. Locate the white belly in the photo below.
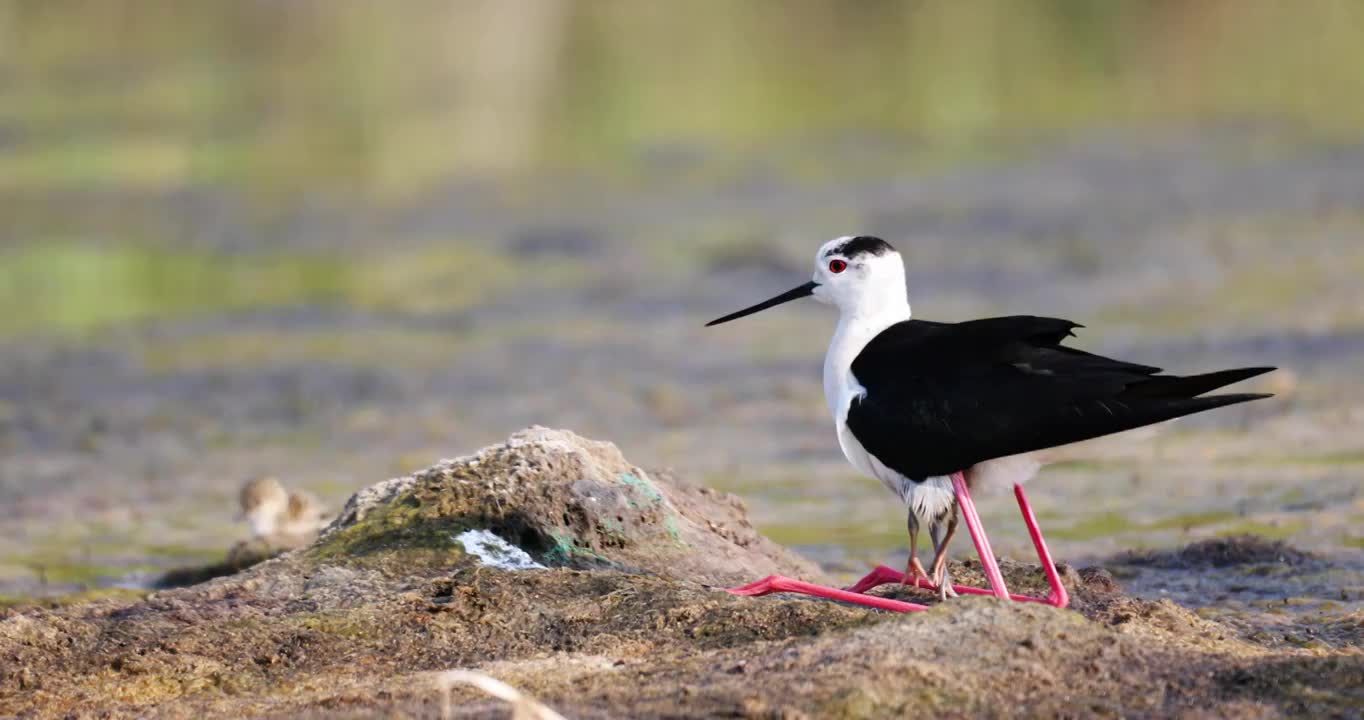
(1004, 472)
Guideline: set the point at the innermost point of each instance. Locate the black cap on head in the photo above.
(861, 245)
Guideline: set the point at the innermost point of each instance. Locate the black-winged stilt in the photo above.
(932, 409)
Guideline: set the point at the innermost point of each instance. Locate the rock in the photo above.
(622, 620)
(567, 502)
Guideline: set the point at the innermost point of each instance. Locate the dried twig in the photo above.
(524, 707)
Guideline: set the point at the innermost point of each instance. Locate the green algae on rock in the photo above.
(567, 502)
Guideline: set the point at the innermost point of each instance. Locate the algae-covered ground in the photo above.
(627, 619)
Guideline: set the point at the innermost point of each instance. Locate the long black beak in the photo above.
(793, 294)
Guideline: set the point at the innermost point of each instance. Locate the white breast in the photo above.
(928, 499)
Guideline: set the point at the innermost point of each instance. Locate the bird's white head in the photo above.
(862, 275)
(859, 275)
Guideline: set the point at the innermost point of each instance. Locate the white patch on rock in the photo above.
(496, 552)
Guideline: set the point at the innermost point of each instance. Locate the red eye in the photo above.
(837, 266)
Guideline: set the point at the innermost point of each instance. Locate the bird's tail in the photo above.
(1173, 386)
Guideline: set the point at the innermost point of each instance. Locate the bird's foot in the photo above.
(779, 583)
(879, 575)
(914, 573)
(944, 584)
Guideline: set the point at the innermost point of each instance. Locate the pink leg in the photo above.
(987, 556)
(1058, 596)
(881, 575)
(778, 583)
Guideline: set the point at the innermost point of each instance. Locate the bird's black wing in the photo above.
(941, 397)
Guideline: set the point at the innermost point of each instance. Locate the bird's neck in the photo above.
(856, 327)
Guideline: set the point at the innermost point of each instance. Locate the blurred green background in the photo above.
(390, 102)
(107, 108)
(336, 240)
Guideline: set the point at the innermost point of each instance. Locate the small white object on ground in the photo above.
(493, 550)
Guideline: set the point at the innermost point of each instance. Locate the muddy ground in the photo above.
(626, 619)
